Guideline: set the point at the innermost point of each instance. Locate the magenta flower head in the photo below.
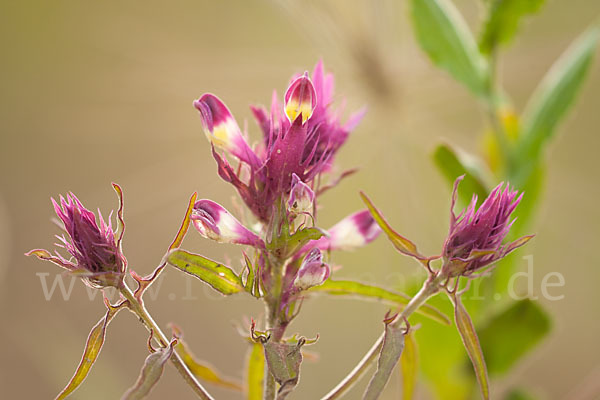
(475, 237)
(312, 272)
(214, 222)
(300, 138)
(96, 254)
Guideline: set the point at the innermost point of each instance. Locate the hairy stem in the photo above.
(430, 287)
(138, 308)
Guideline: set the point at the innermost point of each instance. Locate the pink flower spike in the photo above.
(300, 99)
(222, 130)
(214, 222)
(312, 272)
(95, 253)
(476, 234)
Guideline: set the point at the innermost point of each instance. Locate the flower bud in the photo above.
(300, 99)
(222, 130)
(214, 222)
(476, 235)
(312, 272)
(301, 197)
(95, 253)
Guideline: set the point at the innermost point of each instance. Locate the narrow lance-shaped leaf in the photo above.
(512, 333)
(201, 369)
(218, 276)
(364, 291)
(151, 372)
(553, 97)
(402, 244)
(452, 165)
(503, 20)
(185, 224)
(93, 346)
(471, 342)
(409, 364)
(444, 36)
(256, 372)
(393, 343)
(284, 364)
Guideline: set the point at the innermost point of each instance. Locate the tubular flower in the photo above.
(95, 253)
(299, 138)
(354, 231)
(476, 235)
(214, 222)
(301, 198)
(313, 271)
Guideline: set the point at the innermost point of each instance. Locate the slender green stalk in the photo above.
(430, 287)
(139, 309)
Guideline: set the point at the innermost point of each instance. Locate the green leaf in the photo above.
(202, 370)
(402, 244)
(512, 333)
(503, 20)
(552, 98)
(93, 346)
(393, 343)
(444, 36)
(218, 276)
(409, 366)
(151, 372)
(284, 364)
(453, 164)
(363, 291)
(256, 372)
(469, 338)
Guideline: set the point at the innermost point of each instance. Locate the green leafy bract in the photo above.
(218, 276)
(393, 343)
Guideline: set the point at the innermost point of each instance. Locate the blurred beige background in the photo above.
(94, 92)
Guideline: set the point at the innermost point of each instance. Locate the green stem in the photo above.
(430, 287)
(138, 308)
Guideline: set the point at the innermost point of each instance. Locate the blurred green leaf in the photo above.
(512, 333)
(393, 343)
(409, 366)
(445, 37)
(503, 20)
(469, 337)
(284, 364)
(220, 277)
(551, 100)
(151, 372)
(93, 346)
(452, 165)
(518, 394)
(201, 369)
(401, 244)
(363, 291)
(256, 372)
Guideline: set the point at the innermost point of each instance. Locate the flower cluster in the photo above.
(299, 142)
